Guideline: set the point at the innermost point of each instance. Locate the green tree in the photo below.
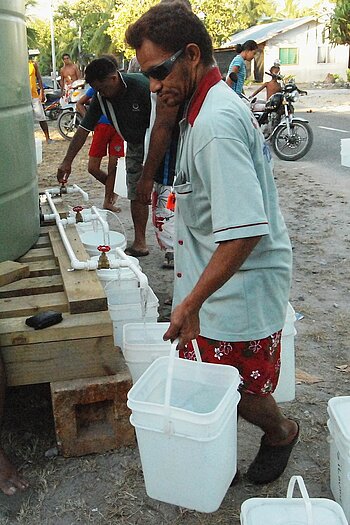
(339, 24)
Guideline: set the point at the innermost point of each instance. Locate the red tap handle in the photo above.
(104, 248)
(78, 208)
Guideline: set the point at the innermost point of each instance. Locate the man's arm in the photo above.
(75, 146)
(166, 119)
(39, 81)
(81, 103)
(224, 263)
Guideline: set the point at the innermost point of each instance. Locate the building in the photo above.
(299, 44)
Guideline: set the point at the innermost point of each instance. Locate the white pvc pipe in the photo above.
(91, 264)
(68, 189)
(103, 223)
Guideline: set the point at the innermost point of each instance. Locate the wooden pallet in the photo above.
(81, 346)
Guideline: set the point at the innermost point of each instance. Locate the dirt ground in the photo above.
(108, 488)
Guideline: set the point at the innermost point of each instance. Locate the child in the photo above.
(272, 87)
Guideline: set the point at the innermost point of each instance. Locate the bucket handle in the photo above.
(308, 506)
(170, 372)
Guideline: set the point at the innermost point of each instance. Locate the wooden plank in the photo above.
(11, 271)
(44, 230)
(33, 286)
(36, 254)
(45, 267)
(43, 242)
(14, 331)
(61, 361)
(33, 304)
(83, 288)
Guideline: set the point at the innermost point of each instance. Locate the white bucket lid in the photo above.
(339, 410)
(92, 239)
(290, 511)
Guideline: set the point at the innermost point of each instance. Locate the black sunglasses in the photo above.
(161, 71)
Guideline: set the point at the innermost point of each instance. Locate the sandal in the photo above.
(271, 461)
(168, 260)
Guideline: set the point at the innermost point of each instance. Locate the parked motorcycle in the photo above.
(70, 119)
(291, 137)
(52, 105)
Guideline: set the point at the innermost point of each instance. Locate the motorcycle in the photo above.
(70, 119)
(291, 137)
(52, 105)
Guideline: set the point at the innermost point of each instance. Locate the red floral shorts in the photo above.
(258, 362)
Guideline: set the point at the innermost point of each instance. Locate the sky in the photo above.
(42, 9)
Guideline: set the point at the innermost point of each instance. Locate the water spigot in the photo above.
(63, 188)
(78, 215)
(103, 262)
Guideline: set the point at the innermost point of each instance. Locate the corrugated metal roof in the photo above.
(263, 32)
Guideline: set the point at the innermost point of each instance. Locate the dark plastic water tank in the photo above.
(19, 212)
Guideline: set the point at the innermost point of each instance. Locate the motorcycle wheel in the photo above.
(296, 145)
(67, 124)
(53, 114)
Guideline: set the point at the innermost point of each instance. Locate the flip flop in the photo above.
(270, 462)
(136, 253)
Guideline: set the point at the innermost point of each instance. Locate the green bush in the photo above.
(348, 75)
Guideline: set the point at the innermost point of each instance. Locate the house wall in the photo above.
(307, 39)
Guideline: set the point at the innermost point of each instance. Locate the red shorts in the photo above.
(258, 362)
(105, 135)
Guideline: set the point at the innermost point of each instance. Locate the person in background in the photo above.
(155, 184)
(35, 82)
(69, 73)
(232, 250)
(134, 66)
(10, 479)
(237, 69)
(125, 99)
(272, 86)
(104, 138)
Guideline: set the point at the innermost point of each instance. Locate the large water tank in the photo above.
(19, 213)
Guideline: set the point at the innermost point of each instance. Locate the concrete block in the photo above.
(91, 415)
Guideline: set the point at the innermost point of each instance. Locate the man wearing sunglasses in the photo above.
(125, 100)
(232, 250)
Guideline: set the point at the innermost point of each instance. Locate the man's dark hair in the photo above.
(99, 69)
(65, 55)
(171, 27)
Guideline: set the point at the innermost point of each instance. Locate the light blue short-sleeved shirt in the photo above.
(239, 62)
(225, 190)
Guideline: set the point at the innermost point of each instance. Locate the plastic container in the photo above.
(339, 428)
(117, 281)
(142, 344)
(39, 150)
(345, 152)
(185, 416)
(292, 511)
(91, 239)
(285, 390)
(135, 306)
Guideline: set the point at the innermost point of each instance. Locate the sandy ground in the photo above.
(108, 488)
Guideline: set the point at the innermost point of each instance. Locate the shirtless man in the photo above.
(69, 73)
(10, 480)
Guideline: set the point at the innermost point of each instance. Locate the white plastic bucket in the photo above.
(185, 416)
(345, 152)
(292, 511)
(135, 306)
(92, 239)
(285, 390)
(142, 344)
(339, 428)
(117, 281)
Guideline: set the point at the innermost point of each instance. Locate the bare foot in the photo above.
(10, 480)
(111, 207)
